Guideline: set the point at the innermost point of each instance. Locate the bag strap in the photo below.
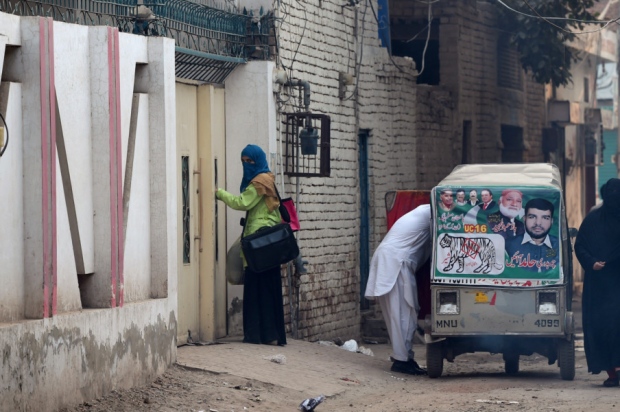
(277, 193)
(283, 213)
(244, 220)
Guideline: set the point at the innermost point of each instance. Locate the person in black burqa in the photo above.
(598, 249)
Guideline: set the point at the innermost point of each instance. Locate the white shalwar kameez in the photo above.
(391, 280)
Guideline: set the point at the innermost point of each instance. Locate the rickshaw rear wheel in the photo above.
(434, 359)
(511, 364)
(566, 359)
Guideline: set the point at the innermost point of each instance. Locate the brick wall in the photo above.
(415, 130)
(328, 207)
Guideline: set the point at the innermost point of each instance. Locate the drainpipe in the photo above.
(297, 283)
(306, 86)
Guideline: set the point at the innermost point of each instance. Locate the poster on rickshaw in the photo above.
(501, 236)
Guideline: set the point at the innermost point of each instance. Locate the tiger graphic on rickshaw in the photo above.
(470, 247)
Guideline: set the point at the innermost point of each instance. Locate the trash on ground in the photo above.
(245, 388)
(396, 377)
(349, 380)
(311, 403)
(279, 358)
(365, 351)
(350, 345)
(497, 402)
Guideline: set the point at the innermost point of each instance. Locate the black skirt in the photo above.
(263, 311)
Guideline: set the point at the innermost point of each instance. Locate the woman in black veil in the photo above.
(598, 249)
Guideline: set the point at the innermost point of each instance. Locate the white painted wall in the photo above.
(250, 119)
(12, 206)
(137, 243)
(73, 96)
(71, 355)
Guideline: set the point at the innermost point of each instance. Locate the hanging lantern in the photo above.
(309, 138)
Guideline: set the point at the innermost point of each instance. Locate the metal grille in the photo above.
(185, 195)
(259, 32)
(202, 28)
(295, 162)
(203, 67)
(117, 13)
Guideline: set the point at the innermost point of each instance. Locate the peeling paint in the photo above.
(112, 353)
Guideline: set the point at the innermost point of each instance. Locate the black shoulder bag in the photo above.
(270, 246)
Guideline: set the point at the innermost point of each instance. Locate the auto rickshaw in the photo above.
(501, 270)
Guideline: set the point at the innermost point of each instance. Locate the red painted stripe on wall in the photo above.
(52, 99)
(113, 190)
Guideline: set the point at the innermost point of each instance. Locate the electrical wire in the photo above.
(374, 13)
(428, 36)
(417, 34)
(281, 101)
(548, 19)
(358, 65)
(300, 39)
(279, 60)
(604, 87)
(346, 35)
(6, 127)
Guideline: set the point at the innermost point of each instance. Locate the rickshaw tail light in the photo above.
(548, 303)
(448, 303)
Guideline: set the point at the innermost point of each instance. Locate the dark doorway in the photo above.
(466, 143)
(412, 39)
(512, 138)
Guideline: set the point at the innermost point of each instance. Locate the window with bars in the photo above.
(307, 145)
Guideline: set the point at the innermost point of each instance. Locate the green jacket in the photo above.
(258, 213)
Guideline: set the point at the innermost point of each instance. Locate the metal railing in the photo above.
(200, 27)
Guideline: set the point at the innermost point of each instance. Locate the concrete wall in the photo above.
(88, 194)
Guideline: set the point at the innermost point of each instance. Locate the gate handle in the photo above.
(199, 236)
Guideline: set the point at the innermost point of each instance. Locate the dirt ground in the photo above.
(233, 377)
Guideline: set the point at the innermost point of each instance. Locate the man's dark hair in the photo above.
(540, 204)
(460, 191)
(488, 190)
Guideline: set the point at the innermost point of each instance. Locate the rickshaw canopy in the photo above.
(527, 174)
